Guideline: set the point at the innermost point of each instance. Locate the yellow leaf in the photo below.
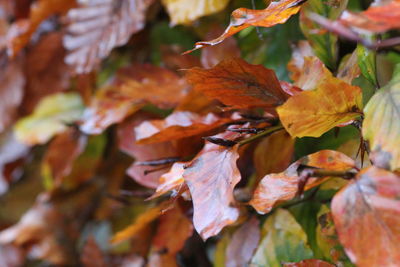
(186, 11)
(314, 112)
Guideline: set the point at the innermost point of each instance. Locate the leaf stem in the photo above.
(265, 133)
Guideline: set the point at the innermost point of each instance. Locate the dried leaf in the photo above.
(377, 19)
(331, 103)
(348, 68)
(211, 177)
(381, 126)
(278, 187)
(147, 84)
(367, 212)
(239, 84)
(284, 240)
(184, 12)
(12, 82)
(178, 125)
(92, 256)
(95, 27)
(171, 180)
(242, 18)
(243, 244)
(49, 118)
(39, 12)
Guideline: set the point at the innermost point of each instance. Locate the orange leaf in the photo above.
(376, 19)
(279, 187)
(308, 263)
(331, 102)
(95, 27)
(242, 18)
(171, 180)
(92, 256)
(147, 84)
(366, 213)
(178, 125)
(211, 178)
(237, 83)
(39, 12)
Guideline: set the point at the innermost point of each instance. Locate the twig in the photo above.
(265, 133)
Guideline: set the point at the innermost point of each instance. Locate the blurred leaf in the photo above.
(367, 64)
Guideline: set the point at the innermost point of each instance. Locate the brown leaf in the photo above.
(242, 18)
(92, 256)
(377, 19)
(243, 244)
(127, 143)
(46, 71)
(63, 150)
(239, 84)
(178, 125)
(211, 177)
(367, 212)
(273, 154)
(172, 180)
(39, 12)
(279, 187)
(95, 27)
(12, 82)
(296, 63)
(308, 263)
(146, 84)
(11, 256)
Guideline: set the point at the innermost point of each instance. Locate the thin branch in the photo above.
(265, 133)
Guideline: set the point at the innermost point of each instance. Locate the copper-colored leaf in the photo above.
(243, 244)
(178, 125)
(376, 19)
(40, 11)
(95, 27)
(171, 180)
(12, 83)
(46, 71)
(140, 222)
(92, 256)
(331, 102)
(242, 18)
(366, 212)
(145, 84)
(381, 126)
(237, 83)
(278, 187)
(273, 154)
(184, 12)
(308, 263)
(211, 177)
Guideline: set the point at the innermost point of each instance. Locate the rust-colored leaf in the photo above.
(308, 263)
(367, 212)
(92, 256)
(211, 177)
(278, 187)
(12, 83)
(178, 125)
(243, 244)
(331, 102)
(140, 222)
(39, 12)
(95, 27)
(239, 84)
(376, 19)
(145, 84)
(242, 18)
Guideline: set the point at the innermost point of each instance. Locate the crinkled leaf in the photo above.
(237, 83)
(314, 112)
(284, 241)
(211, 177)
(278, 187)
(185, 12)
(95, 27)
(50, 117)
(366, 212)
(381, 126)
(242, 18)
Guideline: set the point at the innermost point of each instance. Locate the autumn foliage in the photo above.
(141, 133)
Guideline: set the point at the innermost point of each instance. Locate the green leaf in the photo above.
(50, 117)
(284, 241)
(366, 62)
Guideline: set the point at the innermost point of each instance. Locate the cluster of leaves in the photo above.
(279, 146)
